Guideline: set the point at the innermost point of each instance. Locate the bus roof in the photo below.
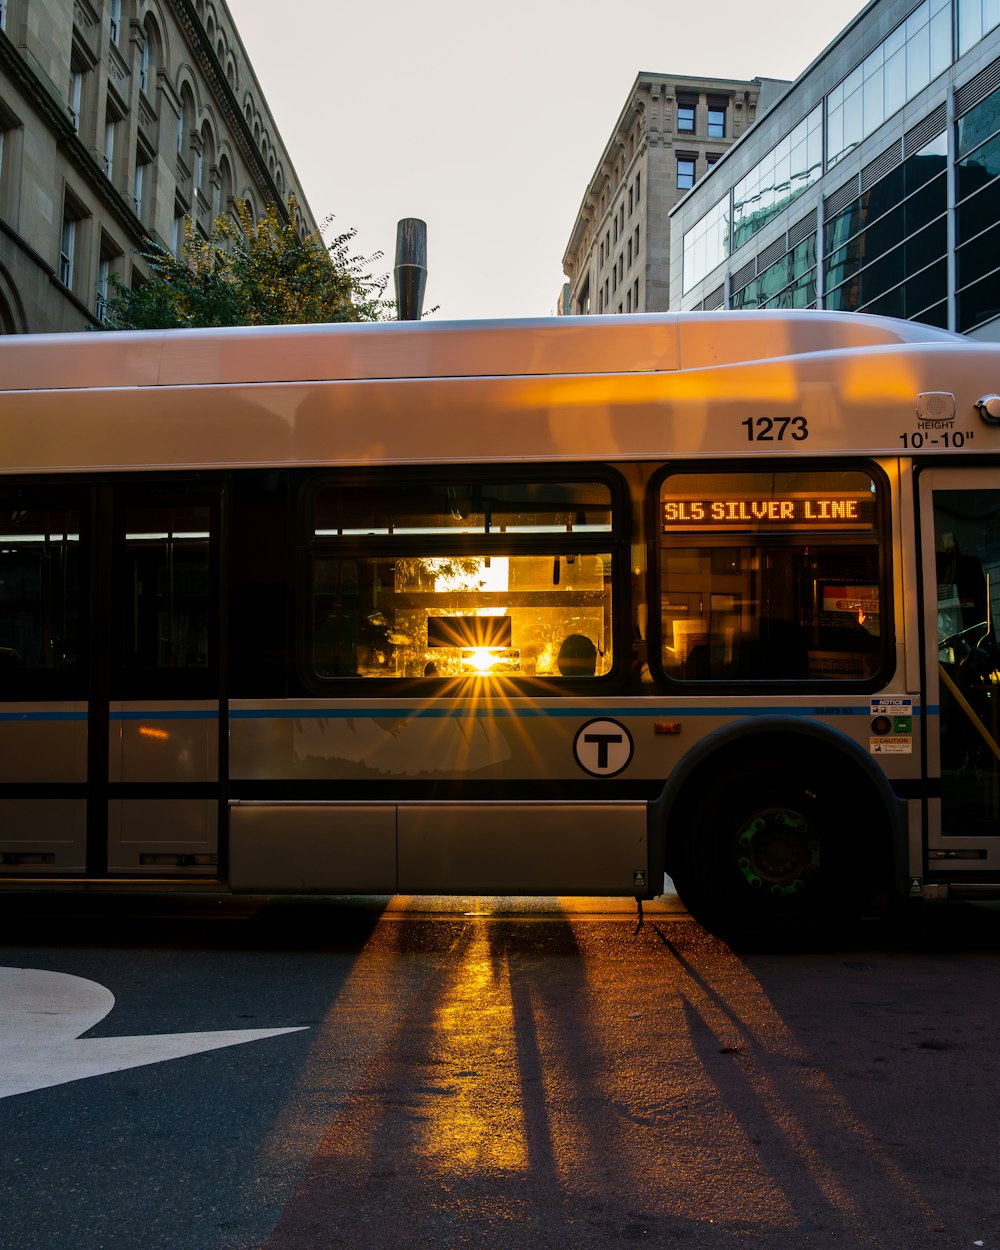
(551, 347)
(566, 388)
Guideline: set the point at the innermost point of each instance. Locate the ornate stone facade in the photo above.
(119, 119)
(669, 134)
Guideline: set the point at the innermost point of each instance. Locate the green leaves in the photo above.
(251, 272)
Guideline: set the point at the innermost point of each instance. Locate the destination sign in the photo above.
(855, 512)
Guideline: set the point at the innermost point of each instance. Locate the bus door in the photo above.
(155, 693)
(960, 525)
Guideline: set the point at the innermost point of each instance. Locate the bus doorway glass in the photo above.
(966, 583)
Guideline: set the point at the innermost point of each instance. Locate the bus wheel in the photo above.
(771, 852)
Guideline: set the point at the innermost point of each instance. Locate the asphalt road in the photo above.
(296, 1074)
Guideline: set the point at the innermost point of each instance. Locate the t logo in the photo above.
(603, 748)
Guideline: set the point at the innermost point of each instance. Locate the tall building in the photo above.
(671, 132)
(871, 186)
(119, 119)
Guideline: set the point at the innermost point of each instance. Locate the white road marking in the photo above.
(42, 1015)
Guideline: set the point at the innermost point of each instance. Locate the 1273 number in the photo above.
(775, 429)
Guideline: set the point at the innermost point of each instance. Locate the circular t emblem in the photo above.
(602, 747)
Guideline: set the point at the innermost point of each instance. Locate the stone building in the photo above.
(872, 184)
(671, 132)
(119, 119)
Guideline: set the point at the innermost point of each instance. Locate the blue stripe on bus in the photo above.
(353, 712)
(151, 714)
(44, 716)
(496, 713)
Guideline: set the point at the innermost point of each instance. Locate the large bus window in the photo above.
(445, 616)
(39, 587)
(446, 581)
(770, 577)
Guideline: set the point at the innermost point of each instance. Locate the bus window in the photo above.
(456, 580)
(770, 577)
(165, 578)
(449, 616)
(39, 586)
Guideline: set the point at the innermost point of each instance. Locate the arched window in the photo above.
(185, 122)
(149, 57)
(204, 160)
(225, 189)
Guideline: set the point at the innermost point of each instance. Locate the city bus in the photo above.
(553, 607)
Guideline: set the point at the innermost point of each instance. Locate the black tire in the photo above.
(768, 852)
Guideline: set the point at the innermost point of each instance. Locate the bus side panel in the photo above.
(43, 835)
(43, 748)
(522, 848)
(314, 848)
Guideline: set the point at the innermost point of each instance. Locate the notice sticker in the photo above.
(892, 723)
(892, 705)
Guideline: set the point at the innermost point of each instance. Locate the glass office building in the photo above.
(870, 186)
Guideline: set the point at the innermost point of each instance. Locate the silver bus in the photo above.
(545, 607)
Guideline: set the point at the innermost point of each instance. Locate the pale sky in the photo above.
(488, 121)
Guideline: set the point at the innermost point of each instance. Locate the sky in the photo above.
(488, 121)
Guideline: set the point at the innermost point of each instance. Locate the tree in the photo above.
(251, 273)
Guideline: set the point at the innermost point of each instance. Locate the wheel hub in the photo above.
(778, 851)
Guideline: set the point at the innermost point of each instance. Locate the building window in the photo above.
(138, 180)
(706, 244)
(67, 251)
(913, 55)
(716, 121)
(685, 115)
(788, 283)
(778, 178)
(116, 20)
(103, 282)
(75, 97)
(635, 295)
(3, 14)
(886, 251)
(144, 67)
(711, 160)
(976, 18)
(977, 170)
(685, 172)
(110, 127)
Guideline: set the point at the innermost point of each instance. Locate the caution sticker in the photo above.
(891, 745)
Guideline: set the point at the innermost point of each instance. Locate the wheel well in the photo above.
(817, 762)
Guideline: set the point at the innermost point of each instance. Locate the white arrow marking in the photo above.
(42, 1015)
